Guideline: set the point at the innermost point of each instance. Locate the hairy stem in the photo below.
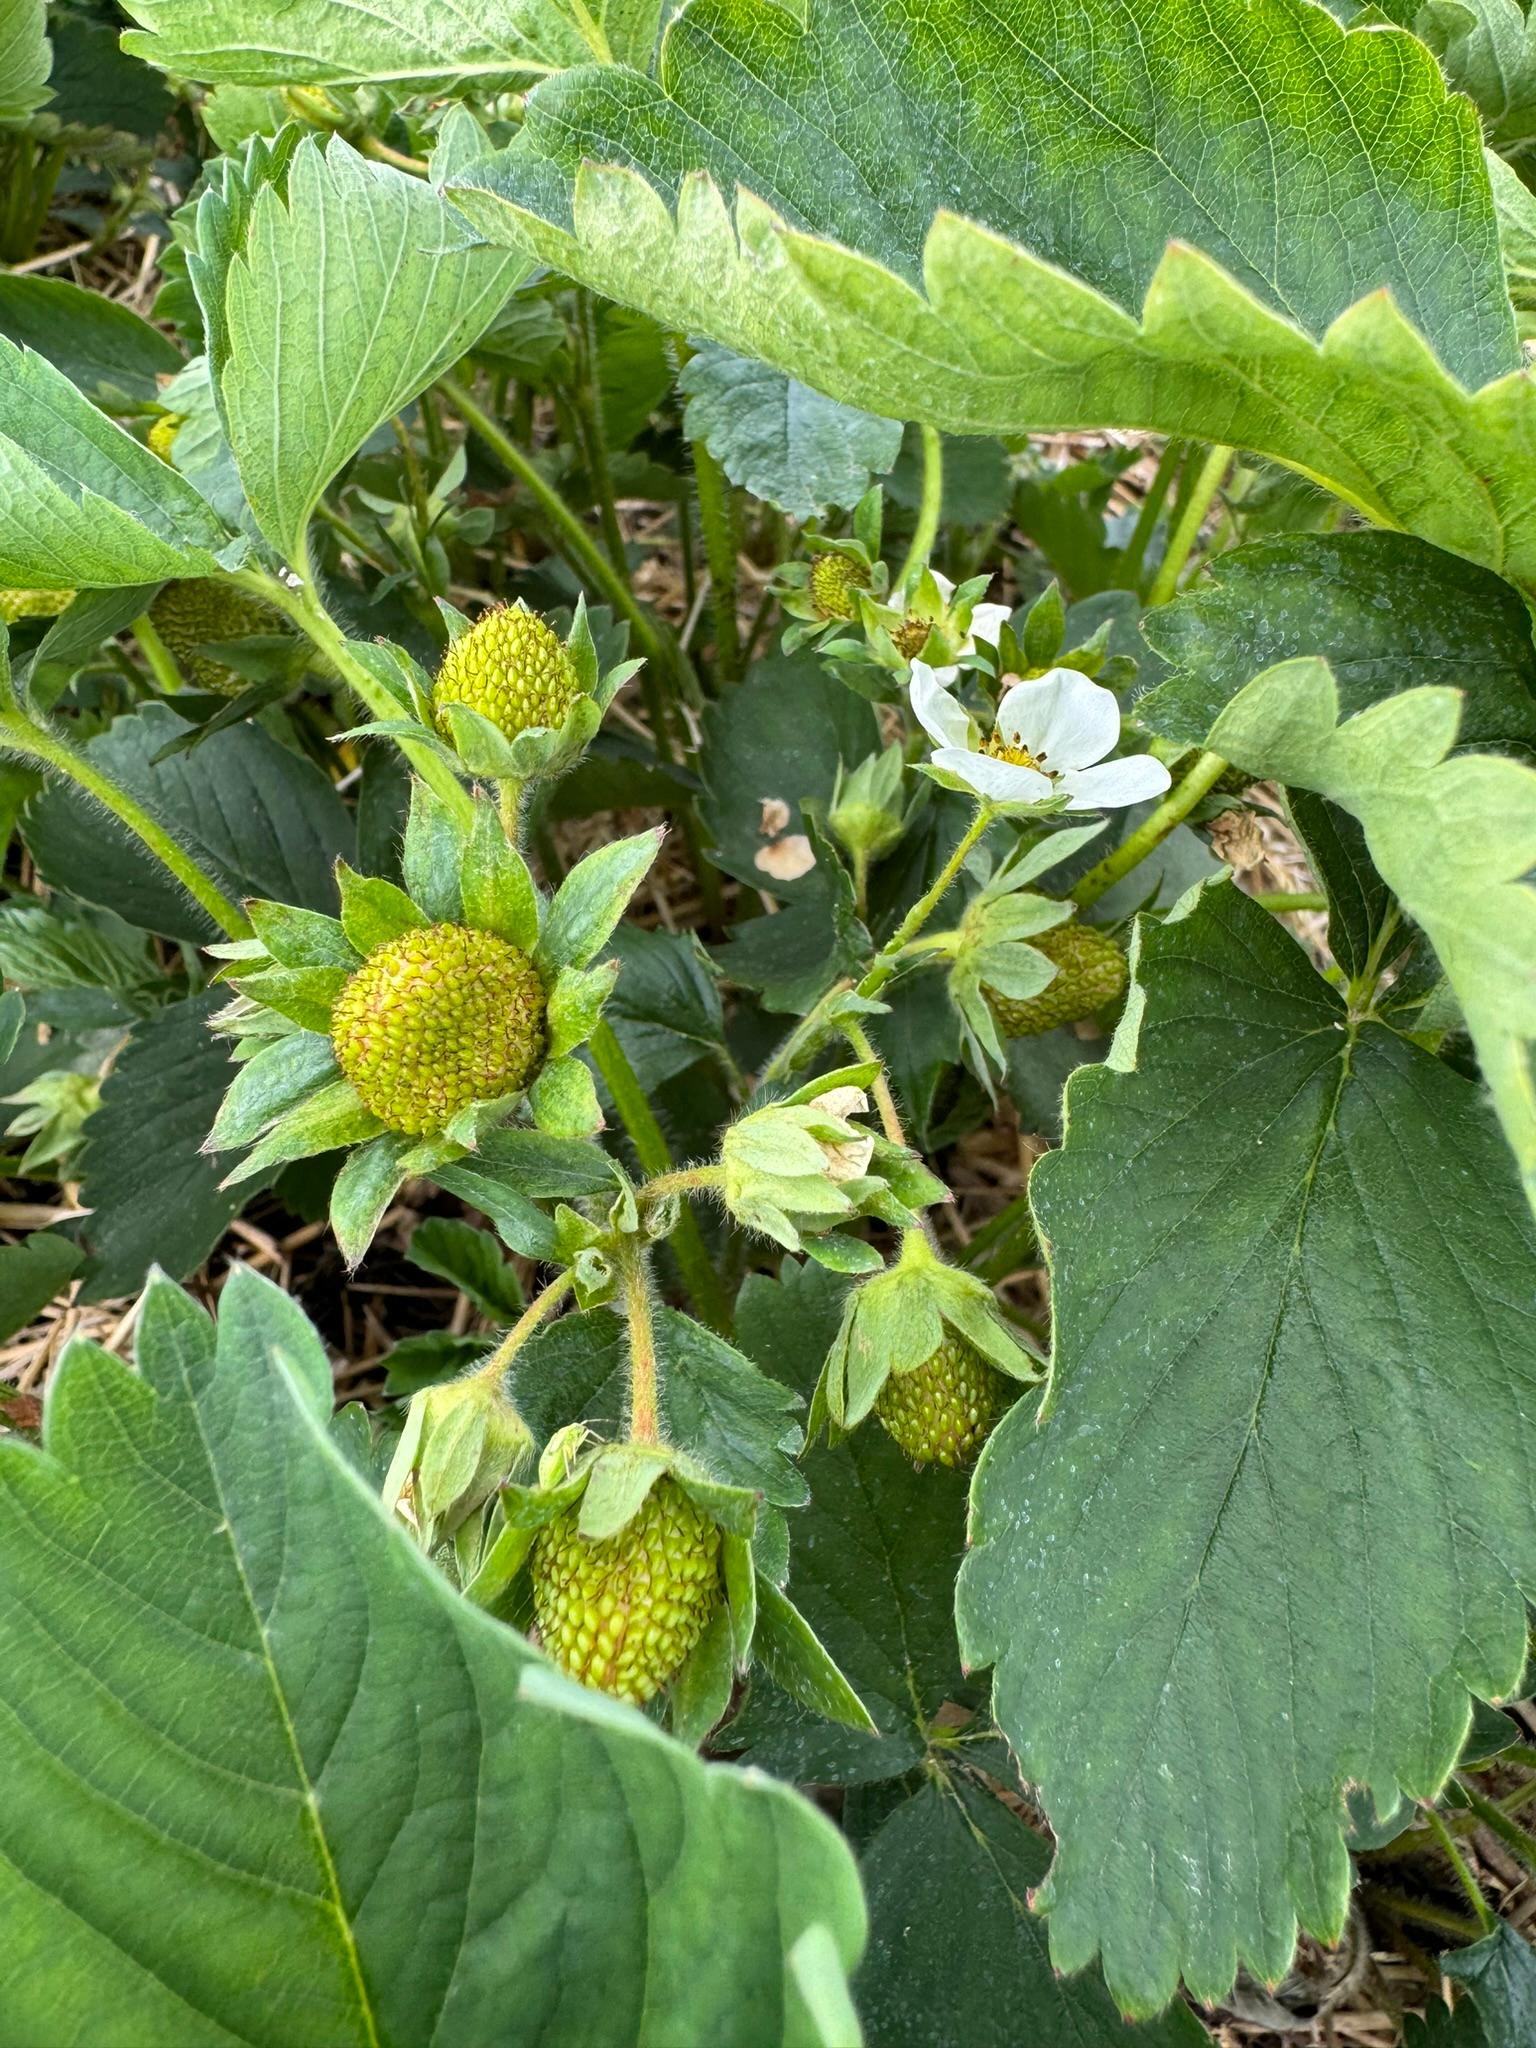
(1147, 518)
(683, 1180)
(1133, 850)
(639, 1119)
(19, 735)
(884, 964)
(718, 521)
(1499, 1823)
(1187, 527)
(926, 531)
(1452, 1854)
(542, 1306)
(644, 1418)
(1283, 901)
(589, 405)
(880, 1087)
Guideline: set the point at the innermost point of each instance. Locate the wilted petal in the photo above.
(998, 779)
(1113, 783)
(988, 620)
(1061, 718)
(944, 721)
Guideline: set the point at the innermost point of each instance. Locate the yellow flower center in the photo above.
(1019, 757)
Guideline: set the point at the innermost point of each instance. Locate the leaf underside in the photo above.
(1280, 1514)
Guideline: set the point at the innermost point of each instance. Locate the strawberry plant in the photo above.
(835, 709)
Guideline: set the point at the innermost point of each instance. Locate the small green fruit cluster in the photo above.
(32, 604)
(1090, 976)
(512, 668)
(942, 1412)
(188, 615)
(834, 581)
(622, 1613)
(162, 437)
(436, 1019)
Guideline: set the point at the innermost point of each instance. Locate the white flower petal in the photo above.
(989, 776)
(946, 588)
(944, 721)
(987, 621)
(1061, 718)
(1129, 781)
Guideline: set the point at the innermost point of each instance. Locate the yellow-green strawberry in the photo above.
(32, 604)
(1090, 976)
(436, 1019)
(942, 1412)
(834, 580)
(911, 636)
(512, 668)
(190, 615)
(162, 435)
(623, 1612)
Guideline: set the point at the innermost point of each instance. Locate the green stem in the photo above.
(161, 661)
(718, 522)
(313, 620)
(884, 964)
(591, 34)
(538, 1310)
(880, 1087)
(926, 531)
(1129, 575)
(644, 1410)
(1499, 1823)
(1173, 810)
(590, 407)
(1400, 1906)
(1187, 527)
(645, 1133)
(586, 557)
(20, 735)
(1283, 901)
(1452, 1854)
(684, 1180)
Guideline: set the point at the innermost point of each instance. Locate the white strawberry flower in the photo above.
(1049, 732)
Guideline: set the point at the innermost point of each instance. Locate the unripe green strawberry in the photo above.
(162, 438)
(942, 1412)
(510, 667)
(189, 615)
(436, 1019)
(622, 1613)
(1090, 975)
(32, 604)
(911, 636)
(834, 579)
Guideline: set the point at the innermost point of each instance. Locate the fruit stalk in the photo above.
(644, 1416)
(539, 1310)
(926, 531)
(1173, 810)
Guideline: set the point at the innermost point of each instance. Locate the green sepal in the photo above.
(397, 671)
(791, 1653)
(326, 1120)
(301, 938)
(432, 855)
(364, 1189)
(581, 648)
(868, 515)
(277, 1077)
(840, 1253)
(740, 1579)
(619, 1481)
(468, 1127)
(495, 885)
(859, 1074)
(701, 1692)
(306, 995)
(591, 900)
(564, 1101)
(518, 1221)
(1044, 625)
(576, 1004)
(458, 623)
(374, 911)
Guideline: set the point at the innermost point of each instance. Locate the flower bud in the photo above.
(867, 812)
(463, 1440)
(798, 1166)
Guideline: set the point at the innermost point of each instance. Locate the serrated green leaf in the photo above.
(153, 1192)
(949, 1877)
(1285, 1244)
(1500, 1974)
(31, 1274)
(215, 1833)
(102, 346)
(591, 900)
(82, 502)
(347, 247)
(472, 1261)
(406, 42)
(268, 1084)
(1328, 298)
(25, 59)
(1359, 901)
(1385, 611)
(1454, 838)
(781, 440)
(257, 817)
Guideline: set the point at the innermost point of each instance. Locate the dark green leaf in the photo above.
(1287, 1247)
(1500, 1973)
(244, 1637)
(262, 822)
(100, 344)
(472, 1261)
(1358, 899)
(31, 1274)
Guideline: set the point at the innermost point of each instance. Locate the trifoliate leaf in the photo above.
(1182, 1617)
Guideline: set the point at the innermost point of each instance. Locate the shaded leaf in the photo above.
(100, 344)
(31, 1274)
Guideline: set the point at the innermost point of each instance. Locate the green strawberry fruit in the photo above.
(32, 604)
(622, 1613)
(1090, 976)
(942, 1412)
(510, 667)
(436, 1019)
(834, 580)
(162, 437)
(189, 615)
